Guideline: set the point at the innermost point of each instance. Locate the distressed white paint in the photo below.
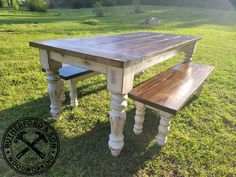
(72, 83)
(117, 121)
(54, 91)
(91, 65)
(140, 67)
(199, 91)
(139, 117)
(73, 92)
(189, 51)
(63, 96)
(47, 63)
(120, 80)
(54, 83)
(163, 128)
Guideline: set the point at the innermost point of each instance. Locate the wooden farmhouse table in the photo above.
(120, 57)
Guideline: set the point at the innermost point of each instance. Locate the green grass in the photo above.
(202, 139)
(91, 21)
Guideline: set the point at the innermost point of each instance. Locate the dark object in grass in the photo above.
(150, 21)
(7, 31)
(91, 21)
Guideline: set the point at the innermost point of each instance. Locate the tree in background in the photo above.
(109, 2)
(233, 2)
(222, 4)
(1, 3)
(99, 9)
(136, 4)
(10, 3)
(37, 5)
(214, 4)
(15, 4)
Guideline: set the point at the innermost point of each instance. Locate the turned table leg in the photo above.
(119, 83)
(139, 117)
(54, 90)
(163, 128)
(117, 121)
(73, 92)
(54, 83)
(63, 96)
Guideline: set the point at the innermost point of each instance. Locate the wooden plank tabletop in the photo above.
(122, 48)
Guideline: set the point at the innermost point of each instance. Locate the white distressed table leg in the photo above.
(54, 91)
(139, 117)
(119, 83)
(163, 128)
(117, 121)
(73, 92)
(54, 85)
(63, 96)
(189, 51)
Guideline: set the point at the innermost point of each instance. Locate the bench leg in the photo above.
(163, 128)
(117, 121)
(62, 97)
(199, 91)
(73, 93)
(139, 117)
(189, 51)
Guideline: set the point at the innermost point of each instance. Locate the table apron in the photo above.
(102, 68)
(119, 80)
(155, 60)
(91, 65)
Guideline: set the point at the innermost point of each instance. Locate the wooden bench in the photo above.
(72, 74)
(168, 92)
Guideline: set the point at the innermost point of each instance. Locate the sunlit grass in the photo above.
(202, 139)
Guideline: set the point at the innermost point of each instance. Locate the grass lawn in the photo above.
(202, 140)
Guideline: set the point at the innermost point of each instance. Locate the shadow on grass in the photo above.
(33, 20)
(191, 24)
(88, 153)
(83, 90)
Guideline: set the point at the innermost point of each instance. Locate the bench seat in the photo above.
(171, 89)
(69, 71)
(72, 74)
(168, 92)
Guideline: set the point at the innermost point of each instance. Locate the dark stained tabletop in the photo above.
(120, 49)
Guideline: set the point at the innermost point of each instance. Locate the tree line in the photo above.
(86, 3)
(219, 4)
